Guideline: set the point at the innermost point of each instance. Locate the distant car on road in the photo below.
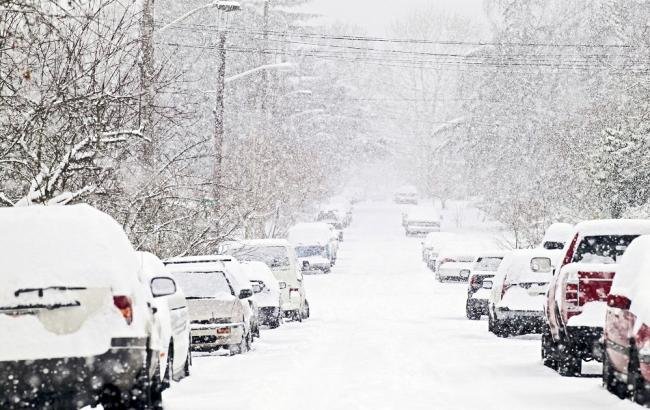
(576, 302)
(484, 268)
(626, 368)
(407, 194)
(455, 266)
(421, 221)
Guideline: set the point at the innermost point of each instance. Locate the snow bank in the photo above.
(73, 245)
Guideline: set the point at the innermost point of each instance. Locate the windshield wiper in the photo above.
(41, 290)
(197, 297)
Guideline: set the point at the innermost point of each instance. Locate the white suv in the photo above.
(75, 318)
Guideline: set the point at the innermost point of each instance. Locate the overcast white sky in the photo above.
(375, 15)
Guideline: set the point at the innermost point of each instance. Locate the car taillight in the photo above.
(617, 301)
(569, 253)
(505, 288)
(294, 290)
(571, 306)
(124, 304)
(474, 283)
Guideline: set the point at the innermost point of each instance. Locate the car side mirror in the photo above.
(245, 293)
(162, 287)
(487, 284)
(282, 285)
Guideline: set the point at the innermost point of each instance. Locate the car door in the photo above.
(180, 324)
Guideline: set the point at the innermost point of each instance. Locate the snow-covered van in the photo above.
(577, 298)
(557, 235)
(314, 246)
(218, 306)
(267, 294)
(74, 316)
(626, 368)
(279, 255)
(483, 269)
(516, 304)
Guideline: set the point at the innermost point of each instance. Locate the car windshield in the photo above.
(273, 256)
(553, 245)
(199, 285)
(490, 264)
(602, 249)
(307, 251)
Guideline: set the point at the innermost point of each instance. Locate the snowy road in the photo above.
(384, 335)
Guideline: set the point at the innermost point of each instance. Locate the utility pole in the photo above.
(265, 44)
(219, 117)
(147, 68)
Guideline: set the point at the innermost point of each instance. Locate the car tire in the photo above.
(568, 364)
(638, 388)
(169, 371)
(187, 369)
(471, 313)
(241, 347)
(610, 382)
(306, 313)
(147, 393)
(297, 316)
(500, 328)
(549, 348)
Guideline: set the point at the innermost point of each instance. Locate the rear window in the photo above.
(488, 264)
(602, 249)
(553, 245)
(198, 285)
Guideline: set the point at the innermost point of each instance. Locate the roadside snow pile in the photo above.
(73, 245)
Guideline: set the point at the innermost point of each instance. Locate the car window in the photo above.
(490, 264)
(273, 256)
(602, 249)
(553, 245)
(307, 251)
(197, 285)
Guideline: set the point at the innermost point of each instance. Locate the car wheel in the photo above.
(568, 364)
(501, 328)
(169, 371)
(147, 393)
(297, 315)
(241, 347)
(490, 323)
(305, 314)
(188, 363)
(638, 387)
(471, 313)
(611, 382)
(548, 348)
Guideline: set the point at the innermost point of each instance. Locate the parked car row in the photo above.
(86, 320)
(585, 289)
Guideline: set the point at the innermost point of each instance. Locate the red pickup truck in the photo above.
(577, 298)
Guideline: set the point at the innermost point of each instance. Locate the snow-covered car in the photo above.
(516, 304)
(484, 268)
(76, 326)
(421, 221)
(433, 244)
(334, 218)
(576, 302)
(455, 265)
(217, 303)
(626, 370)
(314, 258)
(407, 194)
(173, 317)
(267, 295)
(557, 235)
(280, 256)
(314, 234)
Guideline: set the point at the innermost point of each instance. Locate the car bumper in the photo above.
(208, 337)
(35, 383)
(478, 305)
(521, 319)
(586, 342)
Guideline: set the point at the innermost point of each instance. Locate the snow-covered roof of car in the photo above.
(633, 271)
(261, 272)
(310, 233)
(559, 232)
(516, 265)
(150, 265)
(264, 242)
(196, 259)
(73, 245)
(614, 227)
